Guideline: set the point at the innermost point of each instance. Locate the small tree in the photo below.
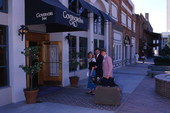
(34, 65)
(168, 41)
(74, 62)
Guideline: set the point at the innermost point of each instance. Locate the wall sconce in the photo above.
(23, 30)
(69, 37)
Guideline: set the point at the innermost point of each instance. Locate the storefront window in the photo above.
(83, 52)
(72, 52)
(95, 43)
(98, 25)
(3, 5)
(95, 25)
(101, 44)
(3, 57)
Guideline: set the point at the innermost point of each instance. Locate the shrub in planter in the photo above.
(162, 60)
(31, 69)
(74, 64)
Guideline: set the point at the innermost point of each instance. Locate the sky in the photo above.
(157, 12)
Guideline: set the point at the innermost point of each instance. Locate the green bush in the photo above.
(165, 51)
(162, 60)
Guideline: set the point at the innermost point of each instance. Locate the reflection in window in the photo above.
(83, 52)
(3, 57)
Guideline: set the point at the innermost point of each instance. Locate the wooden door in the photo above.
(50, 55)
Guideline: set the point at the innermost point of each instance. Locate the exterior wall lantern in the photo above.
(22, 31)
(69, 37)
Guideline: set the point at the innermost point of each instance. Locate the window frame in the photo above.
(4, 4)
(84, 55)
(6, 46)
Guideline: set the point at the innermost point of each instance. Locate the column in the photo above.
(16, 17)
(91, 33)
(106, 36)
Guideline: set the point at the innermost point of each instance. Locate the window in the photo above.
(114, 11)
(101, 44)
(123, 19)
(129, 23)
(95, 25)
(72, 52)
(83, 52)
(95, 44)
(134, 27)
(117, 52)
(3, 5)
(120, 52)
(3, 57)
(98, 25)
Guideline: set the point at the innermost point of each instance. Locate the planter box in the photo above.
(158, 69)
(162, 85)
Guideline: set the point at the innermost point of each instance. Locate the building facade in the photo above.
(61, 28)
(165, 35)
(124, 39)
(149, 42)
(168, 16)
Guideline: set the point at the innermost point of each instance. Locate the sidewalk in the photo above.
(137, 89)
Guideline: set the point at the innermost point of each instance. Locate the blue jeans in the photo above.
(90, 84)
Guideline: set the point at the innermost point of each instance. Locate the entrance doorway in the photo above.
(51, 57)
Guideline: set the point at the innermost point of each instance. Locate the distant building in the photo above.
(149, 42)
(165, 35)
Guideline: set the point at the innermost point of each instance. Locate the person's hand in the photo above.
(108, 76)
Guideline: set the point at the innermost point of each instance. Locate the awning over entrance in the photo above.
(93, 9)
(55, 15)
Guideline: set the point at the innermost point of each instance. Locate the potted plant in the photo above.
(32, 67)
(74, 64)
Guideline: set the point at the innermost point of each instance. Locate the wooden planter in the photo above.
(31, 96)
(74, 81)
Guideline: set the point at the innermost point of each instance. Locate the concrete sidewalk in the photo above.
(128, 78)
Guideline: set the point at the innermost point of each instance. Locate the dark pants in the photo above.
(99, 73)
(108, 82)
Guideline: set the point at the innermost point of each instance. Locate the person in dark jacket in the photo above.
(99, 63)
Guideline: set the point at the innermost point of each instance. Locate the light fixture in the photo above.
(69, 37)
(22, 31)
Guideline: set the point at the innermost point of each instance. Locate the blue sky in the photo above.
(156, 10)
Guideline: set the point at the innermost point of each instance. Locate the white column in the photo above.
(106, 36)
(17, 75)
(91, 33)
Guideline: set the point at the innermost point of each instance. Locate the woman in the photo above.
(136, 58)
(143, 57)
(92, 73)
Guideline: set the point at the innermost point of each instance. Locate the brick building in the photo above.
(149, 42)
(124, 39)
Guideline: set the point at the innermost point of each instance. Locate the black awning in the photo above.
(93, 9)
(107, 17)
(89, 7)
(53, 14)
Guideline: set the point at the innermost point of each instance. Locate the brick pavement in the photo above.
(145, 100)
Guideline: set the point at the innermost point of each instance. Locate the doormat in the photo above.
(45, 90)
